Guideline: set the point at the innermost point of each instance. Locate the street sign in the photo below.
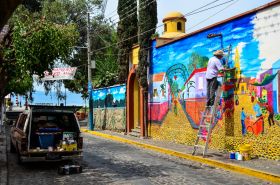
(93, 64)
(60, 74)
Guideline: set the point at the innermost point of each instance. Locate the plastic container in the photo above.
(238, 156)
(232, 155)
(246, 151)
(46, 140)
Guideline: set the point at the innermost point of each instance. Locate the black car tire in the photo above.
(12, 147)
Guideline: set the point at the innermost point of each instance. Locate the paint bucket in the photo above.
(238, 156)
(232, 155)
(246, 150)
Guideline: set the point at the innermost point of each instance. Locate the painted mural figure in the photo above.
(264, 95)
(271, 114)
(257, 110)
(243, 117)
(253, 94)
(236, 99)
(213, 68)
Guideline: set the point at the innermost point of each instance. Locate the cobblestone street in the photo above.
(108, 162)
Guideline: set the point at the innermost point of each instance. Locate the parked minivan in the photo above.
(47, 133)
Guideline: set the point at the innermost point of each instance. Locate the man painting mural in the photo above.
(213, 68)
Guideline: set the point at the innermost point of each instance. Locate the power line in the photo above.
(214, 14)
(160, 26)
(132, 11)
(121, 10)
(187, 14)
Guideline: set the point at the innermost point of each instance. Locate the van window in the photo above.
(21, 121)
(63, 121)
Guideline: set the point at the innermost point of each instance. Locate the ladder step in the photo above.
(205, 126)
(200, 146)
(203, 136)
(207, 116)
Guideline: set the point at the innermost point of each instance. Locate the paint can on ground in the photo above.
(238, 156)
(232, 155)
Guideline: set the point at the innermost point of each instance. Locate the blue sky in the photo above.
(185, 6)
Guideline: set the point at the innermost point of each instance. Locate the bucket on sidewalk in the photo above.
(245, 151)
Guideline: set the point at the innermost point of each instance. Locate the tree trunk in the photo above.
(7, 7)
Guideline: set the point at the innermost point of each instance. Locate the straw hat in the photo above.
(218, 53)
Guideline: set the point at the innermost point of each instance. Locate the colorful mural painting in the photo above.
(109, 108)
(177, 87)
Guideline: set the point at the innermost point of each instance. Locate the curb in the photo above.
(218, 164)
(3, 158)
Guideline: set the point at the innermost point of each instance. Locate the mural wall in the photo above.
(109, 108)
(177, 91)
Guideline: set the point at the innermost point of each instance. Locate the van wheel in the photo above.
(12, 147)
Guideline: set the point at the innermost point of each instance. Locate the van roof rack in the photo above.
(55, 108)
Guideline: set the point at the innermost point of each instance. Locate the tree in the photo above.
(127, 28)
(147, 27)
(31, 45)
(102, 34)
(7, 7)
(197, 61)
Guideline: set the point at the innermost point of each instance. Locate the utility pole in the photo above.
(90, 112)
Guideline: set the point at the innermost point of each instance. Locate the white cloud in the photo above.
(240, 47)
(180, 56)
(101, 94)
(122, 90)
(198, 45)
(237, 29)
(266, 31)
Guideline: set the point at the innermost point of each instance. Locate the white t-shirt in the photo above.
(213, 67)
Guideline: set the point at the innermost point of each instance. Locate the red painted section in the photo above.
(254, 126)
(157, 111)
(194, 108)
(194, 72)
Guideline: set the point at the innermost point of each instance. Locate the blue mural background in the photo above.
(234, 32)
(109, 97)
(252, 86)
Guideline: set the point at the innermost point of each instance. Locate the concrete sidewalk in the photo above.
(3, 158)
(260, 168)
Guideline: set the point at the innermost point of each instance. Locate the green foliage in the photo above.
(147, 27)
(127, 28)
(106, 73)
(197, 61)
(102, 34)
(35, 45)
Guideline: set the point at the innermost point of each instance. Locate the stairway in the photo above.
(135, 132)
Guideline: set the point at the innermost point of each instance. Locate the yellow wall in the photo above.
(172, 26)
(244, 86)
(136, 111)
(135, 52)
